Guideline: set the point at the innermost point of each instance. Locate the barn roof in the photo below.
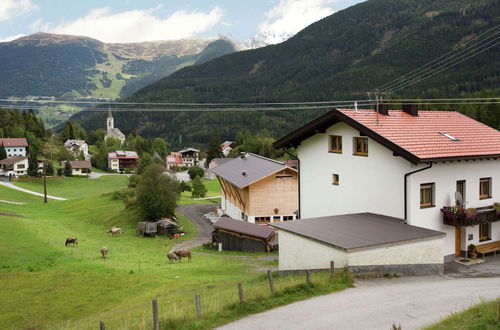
(242, 227)
(360, 230)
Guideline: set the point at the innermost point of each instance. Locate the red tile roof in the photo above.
(417, 138)
(14, 142)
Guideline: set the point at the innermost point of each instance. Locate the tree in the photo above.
(3, 152)
(195, 171)
(199, 189)
(68, 169)
(214, 150)
(49, 168)
(184, 186)
(144, 162)
(33, 166)
(157, 193)
(160, 147)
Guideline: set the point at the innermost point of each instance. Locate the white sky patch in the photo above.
(10, 38)
(291, 16)
(12, 8)
(140, 25)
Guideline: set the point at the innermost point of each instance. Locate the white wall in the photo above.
(15, 151)
(367, 184)
(445, 177)
(232, 210)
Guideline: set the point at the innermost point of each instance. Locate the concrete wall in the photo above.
(15, 151)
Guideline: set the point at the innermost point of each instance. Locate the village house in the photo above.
(190, 157)
(257, 189)
(78, 147)
(111, 130)
(173, 160)
(79, 167)
(226, 147)
(120, 161)
(14, 166)
(405, 164)
(15, 146)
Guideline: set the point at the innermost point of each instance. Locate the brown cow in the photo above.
(71, 240)
(172, 256)
(183, 253)
(104, 252)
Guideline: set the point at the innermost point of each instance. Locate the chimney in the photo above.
(411, 109)
(383, 109)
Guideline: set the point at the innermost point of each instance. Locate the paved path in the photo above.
(194, 212)
(413, 302)
(11, 202)
(10, 185)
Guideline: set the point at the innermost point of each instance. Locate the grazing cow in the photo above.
(183, 253)
(71, 240)
(115, 231)
(172, 256)
(104, 252)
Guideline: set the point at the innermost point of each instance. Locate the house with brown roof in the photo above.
(15, 146)
(14, 166)
(79, 167)
(407, 164)
(257, 189)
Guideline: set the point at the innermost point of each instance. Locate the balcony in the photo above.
(458, 216)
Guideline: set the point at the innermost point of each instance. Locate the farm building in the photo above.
(363, 242)
(79, 167)
(236, 235)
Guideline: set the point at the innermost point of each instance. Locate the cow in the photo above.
(71, 240)
(104, 252)
(183, 253)
(172, 257)
(115, 231)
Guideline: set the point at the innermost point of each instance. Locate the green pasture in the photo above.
(47, 285)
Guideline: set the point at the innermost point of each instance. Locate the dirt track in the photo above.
(204, 228)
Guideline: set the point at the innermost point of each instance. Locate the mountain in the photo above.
(339, 57)
(263, 39)
(70, 67)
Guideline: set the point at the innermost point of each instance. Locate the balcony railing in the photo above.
(458, 216)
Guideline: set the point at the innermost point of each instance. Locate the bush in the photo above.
(60, 171)
(199, 189)
(195, 171)
(184, 186)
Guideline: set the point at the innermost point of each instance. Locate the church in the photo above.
(111, 131)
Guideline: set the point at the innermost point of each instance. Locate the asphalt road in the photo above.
(413, 302)
(204, 228)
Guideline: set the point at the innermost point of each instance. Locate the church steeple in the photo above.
(110, 122)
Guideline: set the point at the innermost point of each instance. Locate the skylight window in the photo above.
(449, 136)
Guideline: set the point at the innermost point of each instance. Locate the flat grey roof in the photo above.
(360, 230)
(242, 227)
(245, 170)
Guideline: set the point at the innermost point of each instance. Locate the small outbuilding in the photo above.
(237, 235)
(362, 242)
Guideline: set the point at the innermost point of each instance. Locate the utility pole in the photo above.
(376, 100)
(44, 183)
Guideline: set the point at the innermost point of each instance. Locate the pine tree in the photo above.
(68, 169)
(33, 166)
(49, 168)
(214, 149)
(3, 152)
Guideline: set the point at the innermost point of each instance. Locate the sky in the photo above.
(122, 21)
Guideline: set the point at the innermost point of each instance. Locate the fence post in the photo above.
(101, 325)
(271, 282)
(499, 311)
(198, 305)
(156, 325)
(308, 277)
(332, 269)
(240, 292)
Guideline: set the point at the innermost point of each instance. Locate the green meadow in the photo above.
(47, 285)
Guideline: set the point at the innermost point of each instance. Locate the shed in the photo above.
(168, 227)
(237, 235)
(363, 242)
(146, 228)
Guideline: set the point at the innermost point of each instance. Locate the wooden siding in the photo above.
(238, 242)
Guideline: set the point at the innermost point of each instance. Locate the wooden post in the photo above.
(156, 324)
(271, 282)
(101, 325)
(308, 277)
(240, 291)
(198, 305)
(499, 311)
(332, 269)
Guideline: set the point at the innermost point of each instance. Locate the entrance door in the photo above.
(458, 241)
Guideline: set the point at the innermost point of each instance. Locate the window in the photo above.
(485, 188)
(21, 166)
(335, 144)
(262, 219)
(287, 217)
(276, 218)
(461, 189)
(335, 179)
(244, 216)
(484, 232)
(361, 146)
(426, 195)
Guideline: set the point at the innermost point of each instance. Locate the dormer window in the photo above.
(335, 144)
(449, 136)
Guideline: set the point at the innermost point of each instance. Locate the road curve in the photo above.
(12, 186)
(204, 228)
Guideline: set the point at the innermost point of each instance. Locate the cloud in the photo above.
(10, 38)
(13, 8)
(291, 16)
(140, 25)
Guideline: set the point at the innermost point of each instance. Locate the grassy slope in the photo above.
(44, 284)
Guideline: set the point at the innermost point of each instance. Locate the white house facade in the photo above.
(14, 166)
(14, 146)
(77, 147)
(408, 165)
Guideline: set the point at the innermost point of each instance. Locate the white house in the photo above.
(226, 147)
(406, 164)
(77, 147)
(14, 146)
(14, 166)
(122, 160)
(190, 157)
(79, 167)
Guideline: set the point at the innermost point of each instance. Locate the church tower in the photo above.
(110, 123)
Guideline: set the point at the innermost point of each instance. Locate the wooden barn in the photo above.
(237, 235)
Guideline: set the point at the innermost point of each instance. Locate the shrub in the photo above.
(195, 171)
(199, 189)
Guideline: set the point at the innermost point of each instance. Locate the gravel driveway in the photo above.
(194, 212)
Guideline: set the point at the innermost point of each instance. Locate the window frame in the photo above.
(432, 187)
(338, 140)
(260, 220)
(486, 234)
(364, 152)
(464, 188)
(481, 181)
(335, 179)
